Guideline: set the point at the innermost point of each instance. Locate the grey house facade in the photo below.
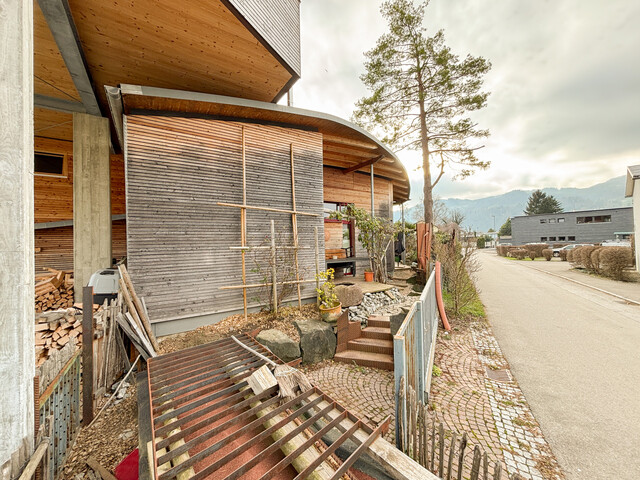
(585, 226)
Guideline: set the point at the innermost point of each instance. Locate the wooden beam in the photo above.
(87, 355)
(266, 209)
(348, 150)
(366, 163)
(58, 17)
(57, 104)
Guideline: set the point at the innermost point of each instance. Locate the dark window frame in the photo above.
(64, 168)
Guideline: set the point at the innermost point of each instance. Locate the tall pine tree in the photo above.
(540, 202)
(420, 95)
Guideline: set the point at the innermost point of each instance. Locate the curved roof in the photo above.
(345, 145)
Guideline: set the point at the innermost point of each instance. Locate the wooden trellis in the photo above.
(273, 248)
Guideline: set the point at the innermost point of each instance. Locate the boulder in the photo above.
(349, 295)
(317, 340)
(395, 320)
(280, 344)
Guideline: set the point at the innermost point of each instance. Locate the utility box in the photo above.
(105, 284)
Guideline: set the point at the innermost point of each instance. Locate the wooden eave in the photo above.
(345, 145)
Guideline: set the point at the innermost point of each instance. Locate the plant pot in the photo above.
(330, 315)
(368, 276)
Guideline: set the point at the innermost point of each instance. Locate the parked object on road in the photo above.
(556, 251)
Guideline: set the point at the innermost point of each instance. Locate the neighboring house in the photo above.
(633, 190)
(585, 226)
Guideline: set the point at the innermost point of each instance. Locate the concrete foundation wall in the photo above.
(17, 355)
(91, 198)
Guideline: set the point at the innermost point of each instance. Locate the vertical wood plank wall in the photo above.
(178, 239)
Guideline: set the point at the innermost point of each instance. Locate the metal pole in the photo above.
(87, 355)
(403, 256)
(273, 268)
(317, 265)
(373, 213)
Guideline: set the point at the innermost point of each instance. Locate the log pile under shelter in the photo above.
(54, 290)
(56, 329)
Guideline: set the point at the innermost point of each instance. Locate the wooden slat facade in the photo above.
(178, 238)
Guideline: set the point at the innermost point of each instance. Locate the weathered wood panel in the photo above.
(178, 238)
(53, 196)
(278, 22)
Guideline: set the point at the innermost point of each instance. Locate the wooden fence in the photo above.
(442, 452)
(413, 354)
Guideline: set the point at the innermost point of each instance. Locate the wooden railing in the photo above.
(413, 353)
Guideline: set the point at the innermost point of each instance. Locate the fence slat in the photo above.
(441, 451)
(463, 446)
(433, 445)
(497, 471)
(451, 453)
(475, 466)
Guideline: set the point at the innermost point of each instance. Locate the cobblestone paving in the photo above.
(475, 394)
(367, 392)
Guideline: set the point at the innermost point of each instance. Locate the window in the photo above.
(571, 238)
(543, 220)
(48, 164)
(552, 220)
(552, 239)
(561, 239)
(330, 207)
(543, 239)
(561, 220)
(596, 219)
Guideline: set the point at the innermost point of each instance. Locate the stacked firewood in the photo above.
(56, 329)
(54, 291)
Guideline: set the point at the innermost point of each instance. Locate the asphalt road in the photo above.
(576, 354)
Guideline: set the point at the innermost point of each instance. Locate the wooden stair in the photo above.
(366, 347)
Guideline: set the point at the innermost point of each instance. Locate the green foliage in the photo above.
(505, 229)
(437, 371)
(375, 234)
(481, 242)
(540, 202)
(420, 94)
(326, 292)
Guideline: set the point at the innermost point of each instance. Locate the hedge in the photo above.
(613, 261)
(547, 253)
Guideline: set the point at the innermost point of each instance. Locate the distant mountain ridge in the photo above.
(479, 212)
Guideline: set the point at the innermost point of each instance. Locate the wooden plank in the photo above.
(139, 307)
(102, 472)
(266, 209)
(294, 222)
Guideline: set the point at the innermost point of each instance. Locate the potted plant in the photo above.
(368, 275)
(329, 305)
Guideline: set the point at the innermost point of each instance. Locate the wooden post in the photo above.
(403, 256)
(373, 214)
(317, 265)
(243, 222)
(87, 355)
(273, 268)
(294, 222)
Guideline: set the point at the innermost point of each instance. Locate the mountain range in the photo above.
(479, 213)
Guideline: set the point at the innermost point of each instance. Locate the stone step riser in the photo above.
(377, 335)
(363, 362)
(379, 323)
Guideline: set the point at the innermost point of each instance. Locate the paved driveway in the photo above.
(576, 355)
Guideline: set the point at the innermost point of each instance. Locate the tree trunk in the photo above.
(424, 140)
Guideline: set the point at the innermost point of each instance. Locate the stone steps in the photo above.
(368, 347)
(379, 333)
(366, 359)
(372, 345)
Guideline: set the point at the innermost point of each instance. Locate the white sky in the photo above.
(564, 109)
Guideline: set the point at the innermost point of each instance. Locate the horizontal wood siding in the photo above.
(278, 22)
(356, 188)
(178, 238)
(53, 196)
(54, 246)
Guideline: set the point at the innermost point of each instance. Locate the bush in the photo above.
(531, 254)
(537, 249)
(459, 266)
(481, 242)
(568, 255)
(595, 261)
(519, 253)
(585, 257)
(564, 255)
(547, 253)
(502, 250)
(613, 261)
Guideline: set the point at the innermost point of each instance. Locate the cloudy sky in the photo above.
(564, 109)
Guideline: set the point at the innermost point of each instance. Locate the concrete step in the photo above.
(366, 359)
(372, 345)
(379, 333)
(379, 321)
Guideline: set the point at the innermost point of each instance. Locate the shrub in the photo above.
(537, 248)
(595, 260)
(502, 250)
(459, 266)
(519, 253)
(547, 253)
(585, 257)
(531, 254)
(481, 242)
(564, 255)
(613, 261)
(568, 254)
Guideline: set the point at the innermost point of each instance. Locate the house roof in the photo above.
(345, 145)
(633, 174)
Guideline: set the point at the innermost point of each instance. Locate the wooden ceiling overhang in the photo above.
(82, 45)
(345, 145)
